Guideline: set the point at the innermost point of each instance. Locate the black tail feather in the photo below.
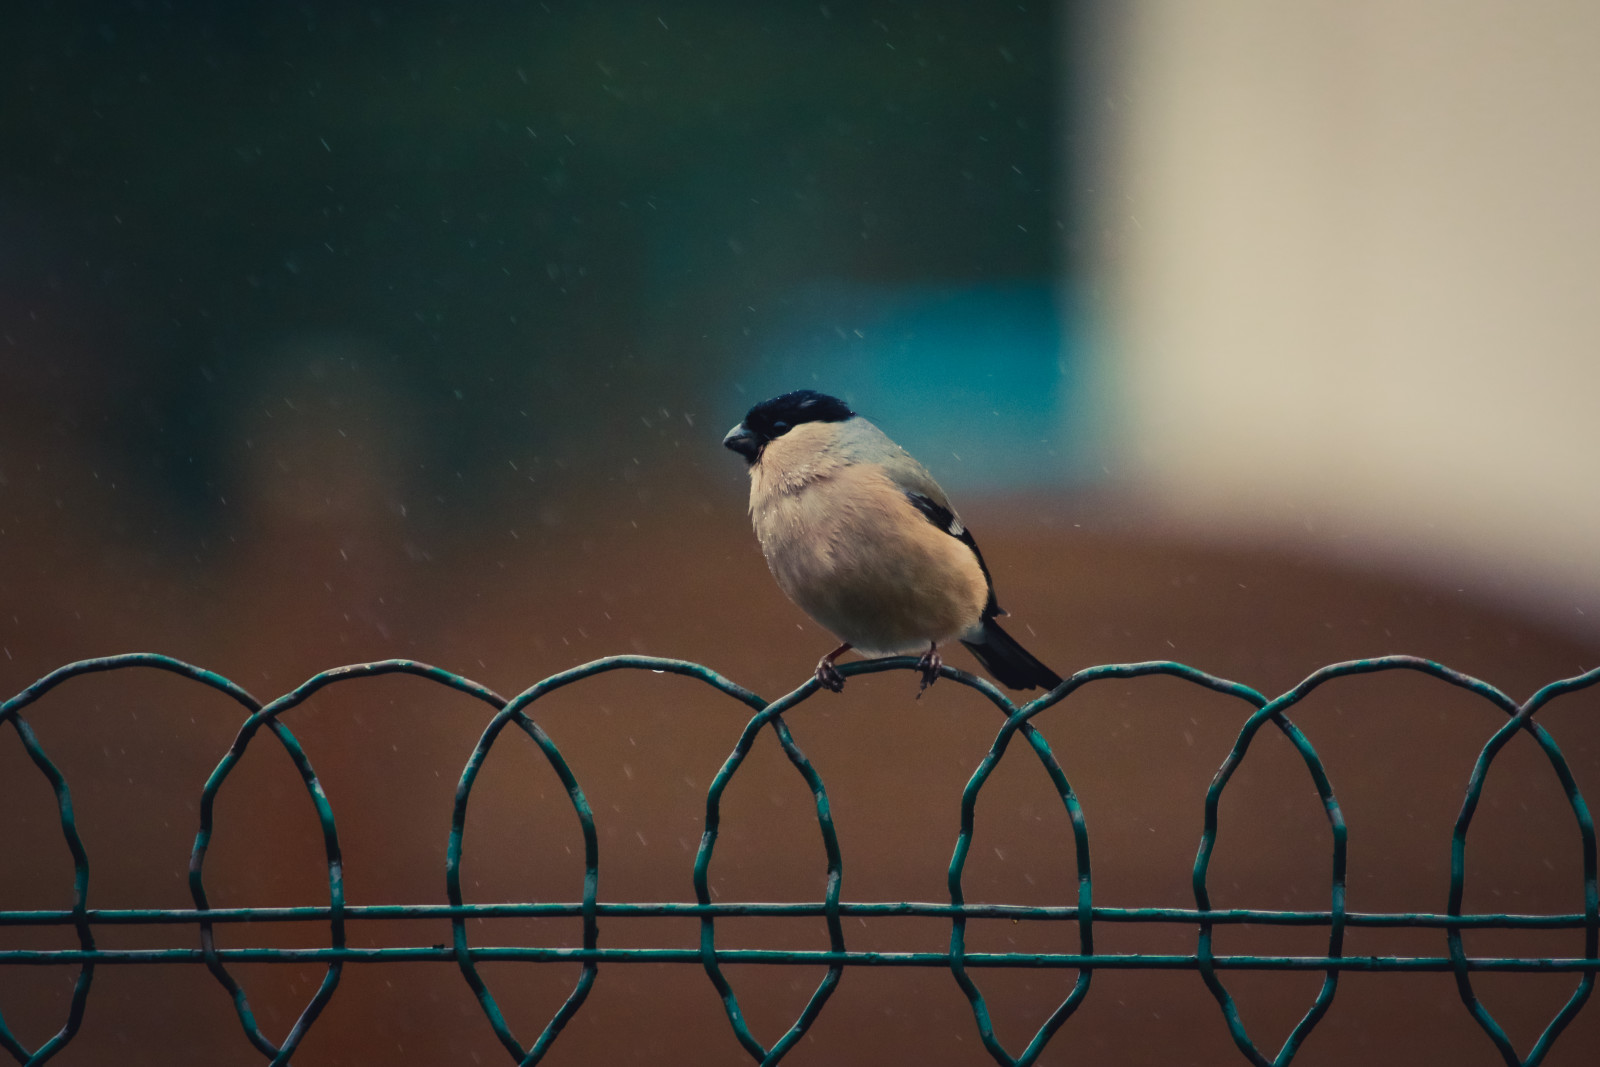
(1012, 665)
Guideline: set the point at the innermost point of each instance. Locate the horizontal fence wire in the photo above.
(769, 715)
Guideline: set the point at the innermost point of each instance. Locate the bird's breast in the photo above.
(855, 555)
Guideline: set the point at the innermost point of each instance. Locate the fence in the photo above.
(1084, 913)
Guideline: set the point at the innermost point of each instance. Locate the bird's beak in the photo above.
(744, 442)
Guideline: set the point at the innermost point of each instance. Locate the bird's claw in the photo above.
(929, 665)
(829, 678)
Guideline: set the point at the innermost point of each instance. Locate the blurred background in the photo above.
(1256, 336)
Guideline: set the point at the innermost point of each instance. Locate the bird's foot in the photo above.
(828, 676)
(929, 665)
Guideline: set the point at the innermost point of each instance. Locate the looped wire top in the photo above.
(1079, 908)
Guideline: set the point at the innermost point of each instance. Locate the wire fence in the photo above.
(838, 956)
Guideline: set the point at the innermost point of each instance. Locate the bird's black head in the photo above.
(773, 418)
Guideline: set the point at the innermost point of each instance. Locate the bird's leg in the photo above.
(828, 675)
(929, 665)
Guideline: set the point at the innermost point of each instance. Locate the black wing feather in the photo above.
(942, 517)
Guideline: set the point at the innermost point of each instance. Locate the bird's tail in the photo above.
(1012, 665)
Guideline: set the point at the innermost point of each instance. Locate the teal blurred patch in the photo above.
(984, 384)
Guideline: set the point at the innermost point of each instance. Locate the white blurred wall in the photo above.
(1349, 278)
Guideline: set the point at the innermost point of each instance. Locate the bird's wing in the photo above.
(912, 477)
(865, 443)
(939, 513)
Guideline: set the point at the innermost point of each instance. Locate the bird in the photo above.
(860, 536)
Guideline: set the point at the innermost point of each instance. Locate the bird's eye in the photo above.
(780, 425)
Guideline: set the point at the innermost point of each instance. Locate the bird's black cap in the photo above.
(775, 417)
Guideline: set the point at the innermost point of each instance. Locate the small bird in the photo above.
(859, 535)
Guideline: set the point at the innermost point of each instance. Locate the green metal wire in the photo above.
(1131, 961)
(1017, 722)
(837, 957)
(709, 957)
(1013, 912)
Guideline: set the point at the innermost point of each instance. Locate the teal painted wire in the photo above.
(11, 709)
(80, 895)
(1019, 719)
(269, 716)
(1034, 961)
(832, 887)
(1521, 718)
(958, 925)
(836, 957)
(276, 1053)
(765, 714)
(513, 712)
(1273, 711)
(1014, 912)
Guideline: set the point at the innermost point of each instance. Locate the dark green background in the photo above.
(507, 228)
